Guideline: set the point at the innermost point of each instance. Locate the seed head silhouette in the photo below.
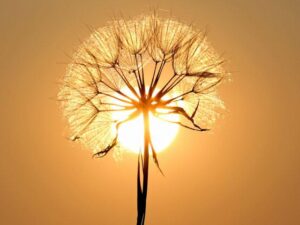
(148, 65)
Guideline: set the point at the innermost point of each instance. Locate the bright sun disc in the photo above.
(131, 134)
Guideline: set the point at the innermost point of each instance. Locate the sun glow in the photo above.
(131, 134)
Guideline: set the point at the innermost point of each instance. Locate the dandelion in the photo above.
(145, 67)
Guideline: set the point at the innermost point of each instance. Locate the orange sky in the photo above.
(244, 172)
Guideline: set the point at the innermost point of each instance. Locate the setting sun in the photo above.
(131, 134)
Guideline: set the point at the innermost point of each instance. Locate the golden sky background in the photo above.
(244, 172)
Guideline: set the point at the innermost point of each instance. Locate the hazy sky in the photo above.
(245, 172)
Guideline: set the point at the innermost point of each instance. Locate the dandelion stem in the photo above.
(142, 193)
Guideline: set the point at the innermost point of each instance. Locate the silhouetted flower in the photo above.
(108, 75)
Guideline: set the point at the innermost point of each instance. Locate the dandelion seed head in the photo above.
(113, 59)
